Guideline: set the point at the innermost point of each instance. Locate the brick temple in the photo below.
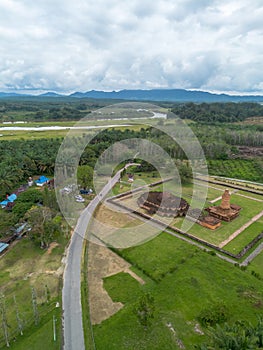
(163, 203)
(225, 211)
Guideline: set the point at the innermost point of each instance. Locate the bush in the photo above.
(30, 196)
(215, 314)
(20, 209)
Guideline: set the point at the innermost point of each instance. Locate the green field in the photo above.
(257, 265)
(25, 266)
(187, 281)
(245, 237)
(32, 134)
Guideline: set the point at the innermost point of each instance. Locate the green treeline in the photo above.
(23, 158)
(50, 109)
(217, 112)
(46, 109)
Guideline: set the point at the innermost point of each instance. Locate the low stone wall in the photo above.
(250, 190)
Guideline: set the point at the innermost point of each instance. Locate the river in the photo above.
(86, 127)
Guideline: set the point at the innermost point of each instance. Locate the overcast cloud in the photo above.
(79, 45)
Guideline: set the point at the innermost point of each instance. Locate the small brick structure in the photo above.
(207, 221)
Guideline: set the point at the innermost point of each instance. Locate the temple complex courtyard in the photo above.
(243, 212)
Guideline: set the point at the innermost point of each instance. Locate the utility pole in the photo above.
(18, 319)
(34, 303)
(54, 328)
(47, 293)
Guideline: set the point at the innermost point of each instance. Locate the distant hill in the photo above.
(50, 94)
(9, 94)
(172, 95)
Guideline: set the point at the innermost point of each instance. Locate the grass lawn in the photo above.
(158, 256)
(257, 265)
(31, 134)
(244, 237)
(189, 281)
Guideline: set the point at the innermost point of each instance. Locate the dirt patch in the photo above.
(250, 152)
(51, 247)
(113, 218)
(102, 263)
(107, 223)
(252, 121)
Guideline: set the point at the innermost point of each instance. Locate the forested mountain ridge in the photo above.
(173, 95)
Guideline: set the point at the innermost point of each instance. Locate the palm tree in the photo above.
(8, 177)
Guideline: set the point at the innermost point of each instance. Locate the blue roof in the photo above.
(42, 179)
(12, 197)
(3, 246)
(9, 199)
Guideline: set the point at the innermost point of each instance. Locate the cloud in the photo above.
(96, 44)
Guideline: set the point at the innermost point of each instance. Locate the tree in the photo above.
(85, 176)
(185, 173)
(30, 196)
(238, 336)
(42, 228)
(49, 199)
(144, 310)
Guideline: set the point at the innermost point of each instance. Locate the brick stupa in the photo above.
(225, 211)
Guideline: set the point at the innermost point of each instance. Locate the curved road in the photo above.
(71, 292)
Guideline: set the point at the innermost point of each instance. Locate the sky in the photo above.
(80, 45)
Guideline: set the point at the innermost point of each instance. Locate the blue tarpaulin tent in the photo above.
(42, 180)
(9, 199)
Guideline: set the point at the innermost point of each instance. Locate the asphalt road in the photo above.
(71, 293)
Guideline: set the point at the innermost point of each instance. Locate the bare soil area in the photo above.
(102, 263)
(250, 152)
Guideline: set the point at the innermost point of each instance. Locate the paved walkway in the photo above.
(252, 256)
(254, 199)
(220, 197)
(241, 229)
(216, 199)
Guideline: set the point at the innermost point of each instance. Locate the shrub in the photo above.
(214, 314)
(31, 195)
